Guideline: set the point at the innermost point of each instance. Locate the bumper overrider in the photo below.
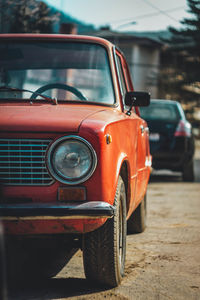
(31, 211)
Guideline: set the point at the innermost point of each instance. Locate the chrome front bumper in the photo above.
(30, 211)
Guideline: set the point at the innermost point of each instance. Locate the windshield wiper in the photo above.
(14, 89)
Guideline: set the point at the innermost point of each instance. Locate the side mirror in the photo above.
(137, 99)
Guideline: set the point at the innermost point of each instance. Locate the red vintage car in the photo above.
(74, 154)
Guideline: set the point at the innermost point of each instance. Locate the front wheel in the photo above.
(104, 249)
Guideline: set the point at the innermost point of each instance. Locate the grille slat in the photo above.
(24, 173)
(24, 178)
(21, 150)
(22, 145)
(25, 167)
(24, 156)
(22, 162)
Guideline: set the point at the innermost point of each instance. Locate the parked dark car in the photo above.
(171, 138)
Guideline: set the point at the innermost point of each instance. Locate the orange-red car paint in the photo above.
(127, 146)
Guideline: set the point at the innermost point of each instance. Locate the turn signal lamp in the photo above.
(70, 194)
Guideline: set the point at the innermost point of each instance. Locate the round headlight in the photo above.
(71, 160)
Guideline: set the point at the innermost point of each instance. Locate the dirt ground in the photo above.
(162, 263)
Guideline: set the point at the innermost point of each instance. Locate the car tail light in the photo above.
(183, 129)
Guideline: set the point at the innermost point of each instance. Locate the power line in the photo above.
(159, 10)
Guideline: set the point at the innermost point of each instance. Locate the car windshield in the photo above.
(160, 111)
(63, 70)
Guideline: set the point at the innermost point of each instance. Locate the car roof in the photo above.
(164, 101)
(170, 102)
(57, 37)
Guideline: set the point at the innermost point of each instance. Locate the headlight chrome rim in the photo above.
(55, 174)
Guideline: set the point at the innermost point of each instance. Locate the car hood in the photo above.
(45, 118)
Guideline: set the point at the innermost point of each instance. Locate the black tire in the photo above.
(104, 249)
(188, 171)
(137, 221)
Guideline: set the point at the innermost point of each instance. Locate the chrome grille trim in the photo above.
(22, 162)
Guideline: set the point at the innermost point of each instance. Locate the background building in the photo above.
(143, 57)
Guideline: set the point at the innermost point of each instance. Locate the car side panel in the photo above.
(143, 161)
(124, 133)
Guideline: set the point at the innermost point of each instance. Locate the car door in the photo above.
(140, 152)
(132, 124)
(143, 160)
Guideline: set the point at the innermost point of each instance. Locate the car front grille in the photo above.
(22, 162)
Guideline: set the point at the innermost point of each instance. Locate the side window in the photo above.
(121, 77)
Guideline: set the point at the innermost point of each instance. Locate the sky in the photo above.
(149, 15)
